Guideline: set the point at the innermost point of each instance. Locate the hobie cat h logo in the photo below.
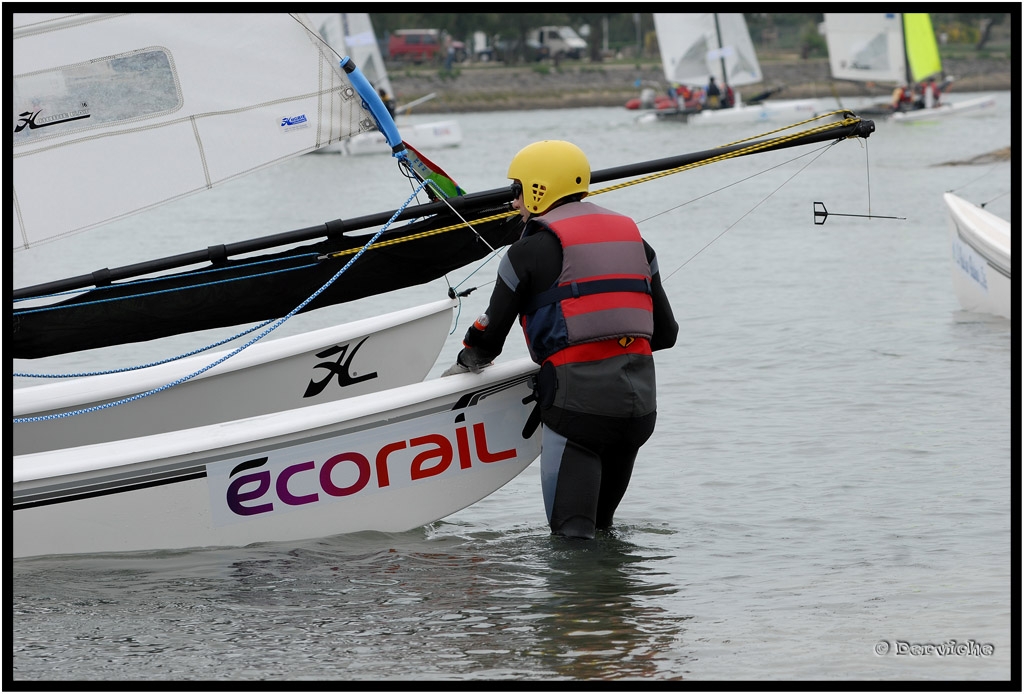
(339, 368)
(31, 120)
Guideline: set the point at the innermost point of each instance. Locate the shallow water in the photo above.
(831, 468)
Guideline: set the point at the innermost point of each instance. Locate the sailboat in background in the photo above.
(351, 34)
(697, 46)
(890, 49)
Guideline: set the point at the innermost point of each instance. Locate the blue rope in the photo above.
(139, 396)
(155, 363)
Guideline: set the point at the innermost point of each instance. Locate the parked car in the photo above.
(560, 42)
(417, 45)
(421, 45)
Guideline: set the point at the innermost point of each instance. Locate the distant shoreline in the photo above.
(483, 87)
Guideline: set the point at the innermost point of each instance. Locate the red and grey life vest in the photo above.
(601, 304)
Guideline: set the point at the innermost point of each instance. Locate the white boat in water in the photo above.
(697, 46)
(980, 251)
(352, 34)
(946, 108)
(389, 461)
(892, 49)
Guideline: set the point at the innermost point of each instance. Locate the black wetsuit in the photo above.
(596, 415)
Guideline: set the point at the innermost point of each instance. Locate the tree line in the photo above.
(629, 29)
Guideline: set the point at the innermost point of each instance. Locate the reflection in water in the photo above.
(492, 606)
(596, 624)
(419, 606)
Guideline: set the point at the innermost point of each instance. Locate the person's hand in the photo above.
(455, 368)
(460, 367)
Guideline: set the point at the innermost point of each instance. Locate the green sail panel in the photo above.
(922, 50)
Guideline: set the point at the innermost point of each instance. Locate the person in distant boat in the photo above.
(729, 97)
(585, 288)
(712, 94)
(902, 98)
(695, 100)
(389, 103)
(932, 92)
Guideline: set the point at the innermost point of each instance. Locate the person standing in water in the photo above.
(585, 287)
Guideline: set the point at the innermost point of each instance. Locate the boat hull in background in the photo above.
(422, 136)
(980, 247)
(945, 109)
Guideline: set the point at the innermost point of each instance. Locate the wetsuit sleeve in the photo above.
(482, 347)
(666, 328)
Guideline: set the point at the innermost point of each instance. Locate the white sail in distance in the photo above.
(118, 113)
(866, 47)
(351, 34)
(691, 50)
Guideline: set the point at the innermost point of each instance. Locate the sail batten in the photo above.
(116, 114)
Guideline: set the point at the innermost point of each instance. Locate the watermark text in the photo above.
(951, 648)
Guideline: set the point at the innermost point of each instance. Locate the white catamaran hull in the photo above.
(389, 461)
(788, 111)
(980, 246)
(945, 109)
(780, 112)
(422, 136)
(364, 356)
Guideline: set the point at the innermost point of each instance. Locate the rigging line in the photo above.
(443, 197)
(745, 214)
(975, 180)
(730, 185)
(155, 363)
(279, 323)
(867, 172)
(194, 273)
(58, 307)
(751, 149)
(1001, 195)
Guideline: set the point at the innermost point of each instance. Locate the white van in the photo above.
(560, 42)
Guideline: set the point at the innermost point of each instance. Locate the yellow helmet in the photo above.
(550, 170)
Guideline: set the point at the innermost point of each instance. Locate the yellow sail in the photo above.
(922, 50)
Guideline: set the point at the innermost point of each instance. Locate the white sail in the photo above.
(351, 34)
(124, 112)
(693, 48)
(866, 47)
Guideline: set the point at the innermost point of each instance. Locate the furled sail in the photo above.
(694, 46)
(124, 112)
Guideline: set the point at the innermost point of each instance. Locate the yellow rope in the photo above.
(660, 174)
